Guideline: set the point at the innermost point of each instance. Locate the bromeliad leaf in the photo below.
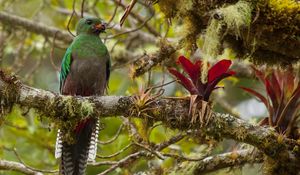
(260, 97)
(184, 81)
(193, 70)
(218, 69)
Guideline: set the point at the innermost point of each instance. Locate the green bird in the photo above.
(85, 71)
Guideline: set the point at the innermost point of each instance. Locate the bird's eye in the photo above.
(89, 22)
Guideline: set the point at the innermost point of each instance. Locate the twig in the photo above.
(133, 131)
(82, 8)
(112, 139)
(171, 141)
(113, 47)
(123, 162)
(127, 11)
(132, 30)
(19, 167)
(140, 19)
(102, 163)
(162, 85)
(115, 154)
(114, 14)
(38, 10)
(52, 54)
(152, 127)
(70, 19)
(29, 167)
(154, 152)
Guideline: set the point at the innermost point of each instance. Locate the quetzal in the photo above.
(85, 71)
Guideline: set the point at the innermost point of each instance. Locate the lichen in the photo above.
(9, 94)
(185, 168)
(233, 19)
(212, 39)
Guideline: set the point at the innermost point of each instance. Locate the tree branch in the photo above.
(15, 166)
(173, 112)
(220, 161)
(148, 61)
(139, 19)
(39, 28)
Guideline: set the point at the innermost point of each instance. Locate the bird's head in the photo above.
(90, 26)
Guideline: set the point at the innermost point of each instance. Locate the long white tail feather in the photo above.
(93, 143)
(58, 145)
(92, 148)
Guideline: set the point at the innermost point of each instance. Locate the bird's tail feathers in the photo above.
(74, 157)
(58, 145)
(93, 143)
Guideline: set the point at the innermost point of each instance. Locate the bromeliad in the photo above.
(282, 101)
(200, 91)
(85, 71)
(193, 82)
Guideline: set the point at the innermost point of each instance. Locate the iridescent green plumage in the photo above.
(85, 37)
(65, 67)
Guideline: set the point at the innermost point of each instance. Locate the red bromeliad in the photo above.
(193, 82)
(282, 101)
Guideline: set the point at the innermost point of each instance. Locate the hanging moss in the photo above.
(233, 19)
(8, 95)
(257, 25)
(212, 40)
(190, 32)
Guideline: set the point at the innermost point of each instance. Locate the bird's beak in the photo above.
(100, 27)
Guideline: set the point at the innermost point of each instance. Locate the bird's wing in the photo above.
(65, 68)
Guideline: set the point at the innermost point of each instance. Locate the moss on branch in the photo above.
(220, 161)
(267, 31)
(173, 112)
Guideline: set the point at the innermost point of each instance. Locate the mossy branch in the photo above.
(146, 62)
(220, 161)
(265, 31)
(172, 112)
